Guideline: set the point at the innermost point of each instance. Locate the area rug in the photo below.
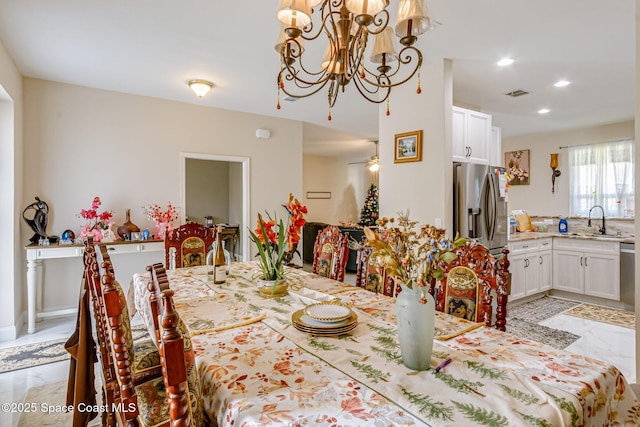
(30, 355)
(555, 338)
(626, 319)
(540, 309)
(523, 319)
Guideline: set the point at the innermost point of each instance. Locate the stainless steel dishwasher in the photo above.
(627, 274)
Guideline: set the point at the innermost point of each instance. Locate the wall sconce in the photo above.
(556, 173)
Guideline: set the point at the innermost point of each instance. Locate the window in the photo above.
(602, 174)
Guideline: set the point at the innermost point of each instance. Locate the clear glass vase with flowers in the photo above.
(163, 218)
(277, 243)
(415, 259)
(97, 225)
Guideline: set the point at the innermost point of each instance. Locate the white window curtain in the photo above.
(602, 174)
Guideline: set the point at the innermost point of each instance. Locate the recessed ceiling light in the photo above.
(504, 62)
(562, 83)
(543, 111)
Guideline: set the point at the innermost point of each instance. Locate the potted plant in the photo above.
(276, 244)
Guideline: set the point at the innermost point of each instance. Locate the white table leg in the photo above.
(32, 279)
(39, 293)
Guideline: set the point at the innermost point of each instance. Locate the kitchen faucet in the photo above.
(603, 229)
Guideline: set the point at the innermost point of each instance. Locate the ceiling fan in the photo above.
(374, 163)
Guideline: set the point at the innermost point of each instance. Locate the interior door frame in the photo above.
(245, 161)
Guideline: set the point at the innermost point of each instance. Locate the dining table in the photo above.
(257, 369)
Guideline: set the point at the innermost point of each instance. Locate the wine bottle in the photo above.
(219, 262)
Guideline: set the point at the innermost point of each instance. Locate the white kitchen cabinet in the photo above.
(471, 135)
(587, 267)
(530, 267)
(495, 147)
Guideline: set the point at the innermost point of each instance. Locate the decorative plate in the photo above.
(329, 311)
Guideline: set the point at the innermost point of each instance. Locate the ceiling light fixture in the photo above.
(200, 87)
(562, 83)
(543, 111)
(504, 62)
(374, 163)
(346, 26)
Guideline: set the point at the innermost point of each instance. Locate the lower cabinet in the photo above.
(530, 267)
(587, 267)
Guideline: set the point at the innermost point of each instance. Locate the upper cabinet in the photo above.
(471, 136)
(495, 147)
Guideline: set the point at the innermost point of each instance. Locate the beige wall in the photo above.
(423, 187)
(537, 198)
(11, 170)
(82, 142)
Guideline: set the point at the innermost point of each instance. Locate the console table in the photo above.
(37, 254)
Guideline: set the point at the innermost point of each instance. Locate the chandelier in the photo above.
(346, 26)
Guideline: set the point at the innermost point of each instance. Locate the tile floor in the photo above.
(613, 344)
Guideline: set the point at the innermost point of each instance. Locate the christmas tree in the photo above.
(369, 212)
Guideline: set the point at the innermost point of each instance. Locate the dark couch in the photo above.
(309, 233)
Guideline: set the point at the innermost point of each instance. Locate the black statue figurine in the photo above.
(39, 221)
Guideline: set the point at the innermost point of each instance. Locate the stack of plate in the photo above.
(325, 319)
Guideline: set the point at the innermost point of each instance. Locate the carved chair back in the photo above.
(370, 272)
(470, 283)
(110, 389)
(188, 245)
(330, 253)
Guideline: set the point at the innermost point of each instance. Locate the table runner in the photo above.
(494, 377)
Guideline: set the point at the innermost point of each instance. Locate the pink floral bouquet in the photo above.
(164, 219)
(95, 222)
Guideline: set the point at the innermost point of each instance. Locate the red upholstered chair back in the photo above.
(187, 245)
(470, 283)
(330, 253)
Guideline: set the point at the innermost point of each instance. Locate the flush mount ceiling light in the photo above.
(345, 27)
(562, 83)
(543, 111)
(504, 62)
(200, 87)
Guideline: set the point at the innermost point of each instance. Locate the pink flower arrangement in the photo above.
(164, 219)
(95, 222)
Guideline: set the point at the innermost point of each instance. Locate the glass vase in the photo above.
(272, 288)
(416, 323)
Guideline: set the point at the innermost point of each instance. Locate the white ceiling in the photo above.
(153, 47)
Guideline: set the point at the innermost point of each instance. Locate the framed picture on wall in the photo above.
(408, 147)
(517, 163)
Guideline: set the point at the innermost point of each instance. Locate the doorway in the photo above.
(217, 186)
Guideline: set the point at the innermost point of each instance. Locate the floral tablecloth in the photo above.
(257, 369)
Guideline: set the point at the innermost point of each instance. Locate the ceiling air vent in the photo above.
(290, 99)
(517, 93)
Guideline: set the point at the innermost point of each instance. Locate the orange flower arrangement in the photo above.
(270, 239)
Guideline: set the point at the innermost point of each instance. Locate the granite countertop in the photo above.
(537, 235)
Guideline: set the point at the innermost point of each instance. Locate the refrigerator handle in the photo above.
(489, 207)
(473, 219)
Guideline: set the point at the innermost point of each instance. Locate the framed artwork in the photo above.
(408, 147)
(517, 163)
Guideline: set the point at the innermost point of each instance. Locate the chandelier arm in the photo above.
(301, 83)
(362, 90)
(295, 95)
(379, 22)
(407, 59)
(326, 16)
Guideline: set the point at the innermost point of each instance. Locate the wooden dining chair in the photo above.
(143, 352)
(158, 402)
(471, 281)
(330, 253)
(188, 245)
(370, 272)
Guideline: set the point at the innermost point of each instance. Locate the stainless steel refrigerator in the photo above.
(480, 204)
